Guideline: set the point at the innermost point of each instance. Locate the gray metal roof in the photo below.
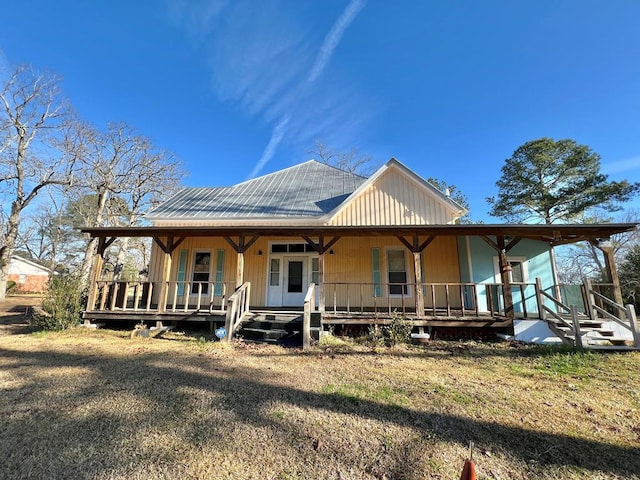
(310, 189)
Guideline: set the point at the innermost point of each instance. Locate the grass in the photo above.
(99, 405)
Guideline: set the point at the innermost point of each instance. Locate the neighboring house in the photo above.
(358, 248)
(29, 276)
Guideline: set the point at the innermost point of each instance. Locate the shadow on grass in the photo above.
(159, 379)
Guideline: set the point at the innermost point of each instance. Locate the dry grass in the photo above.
(98, 405)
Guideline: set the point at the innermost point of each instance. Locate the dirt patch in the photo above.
(15, 312)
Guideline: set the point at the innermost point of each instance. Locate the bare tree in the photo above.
(126, 172)
(351, 161)
(33, 116)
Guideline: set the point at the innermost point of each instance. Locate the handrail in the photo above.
(237, 308)
(628, 311)
(309, 306)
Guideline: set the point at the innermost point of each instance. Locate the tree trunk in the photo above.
(9, 244)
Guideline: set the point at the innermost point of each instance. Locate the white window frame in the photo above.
(522, 260)
(192, 268)
(407, 270)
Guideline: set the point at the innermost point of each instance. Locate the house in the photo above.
(29, 276)
(349, 249)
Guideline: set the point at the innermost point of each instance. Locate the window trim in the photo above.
(409, 290)
(192, 268)
(524, 262)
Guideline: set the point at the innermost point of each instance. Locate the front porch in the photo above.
(302, 267)
(441, 305)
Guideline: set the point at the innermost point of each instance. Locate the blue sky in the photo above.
(450, 88)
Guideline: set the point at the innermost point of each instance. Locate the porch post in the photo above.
(240, 248)
(417, 268)
(505, 270)
(164, 285)
(96, 271)
(321, 300)
(168, 249)
(240, 269)
(612, 272)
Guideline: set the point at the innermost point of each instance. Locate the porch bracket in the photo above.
(321, 247)
(171, 244)
(241, 246)
(416, 246)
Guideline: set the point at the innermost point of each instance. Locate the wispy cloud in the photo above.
(270, 150)
(265, 59)
(333, 38)
(621, 166)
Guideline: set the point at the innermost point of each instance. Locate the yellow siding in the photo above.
(350, 263)
(394, 199)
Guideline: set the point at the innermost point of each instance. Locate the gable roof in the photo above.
(407, 179)
(311, 189)
(19, 264)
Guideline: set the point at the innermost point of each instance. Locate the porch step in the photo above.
(280, 328)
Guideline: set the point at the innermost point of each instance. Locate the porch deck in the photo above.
(444, 305)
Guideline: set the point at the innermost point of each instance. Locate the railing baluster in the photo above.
(149, 296)
(112, 304)
(103, 297)
(175, 297)
(199, 296)
(433, 299)
(446, 294)
(462, 291)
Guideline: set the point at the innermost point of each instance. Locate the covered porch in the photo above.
(451, 303)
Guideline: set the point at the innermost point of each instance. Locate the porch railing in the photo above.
(237, 308)
(182, 296)
(453, 299)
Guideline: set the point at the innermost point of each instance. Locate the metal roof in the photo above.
(310, 189)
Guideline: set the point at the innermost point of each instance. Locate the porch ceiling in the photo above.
(554, 234)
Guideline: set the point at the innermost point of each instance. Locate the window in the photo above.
(397, 272)
(517, 272)
(274, 272)
(201, 272)
(519, 269)
(218, 289)
(315, 270)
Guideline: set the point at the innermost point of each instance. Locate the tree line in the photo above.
(58, 173)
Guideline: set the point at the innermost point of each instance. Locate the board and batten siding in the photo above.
(394, 200)
(350, 263)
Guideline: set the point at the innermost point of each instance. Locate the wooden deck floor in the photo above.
(442, 318)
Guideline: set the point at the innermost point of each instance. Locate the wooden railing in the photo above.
(309, 308)
(182, 296)
(237, 308)
(453, 299)
(599, 305)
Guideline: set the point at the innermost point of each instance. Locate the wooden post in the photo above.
(164, 285)
(633, 323)
(96, 272)
(505, 270)
(590, 299)
(240, 270)
(321, 299)
(612, 273)
(540, 299)
(417, 268)
(576, 326)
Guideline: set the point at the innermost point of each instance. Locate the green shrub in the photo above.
(397, 331)
(62, 304)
